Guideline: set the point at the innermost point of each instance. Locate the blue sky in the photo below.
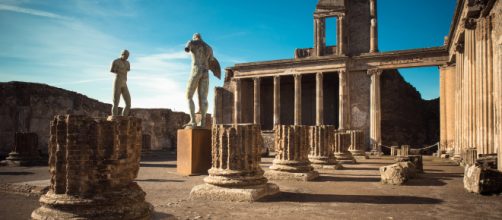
(71, 43)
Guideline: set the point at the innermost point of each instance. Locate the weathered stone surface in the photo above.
(235, 171)
(416, 160)
(292, 148)
(397, 174)
(146, 142)
(24, 151)
(482, 180)
(31, 107)
(341, 144)
(357, 144)
(93, 163)
(321, 150)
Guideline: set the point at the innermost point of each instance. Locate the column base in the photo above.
(325, 163)
(345, 158)
(128, 203)
(16, 159)
(361, 158)
(246, 194)
(283, 175)
(357, 153)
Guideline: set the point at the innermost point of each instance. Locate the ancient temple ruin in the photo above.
(333, 85)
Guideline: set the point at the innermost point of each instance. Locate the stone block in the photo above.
(397, 174)
(218, 193)
(416, 160)
(482, 180)
(193, 151)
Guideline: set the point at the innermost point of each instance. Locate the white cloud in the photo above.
(31, 11)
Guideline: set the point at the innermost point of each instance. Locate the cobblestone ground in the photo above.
(352, 193)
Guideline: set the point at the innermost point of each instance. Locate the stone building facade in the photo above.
(336, 85)
(471, 80)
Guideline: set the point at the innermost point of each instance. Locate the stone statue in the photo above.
(120, 67)
(202, 62)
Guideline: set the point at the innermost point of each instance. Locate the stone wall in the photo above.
(29, 107)
(406, 117)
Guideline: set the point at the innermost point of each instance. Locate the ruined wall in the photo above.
(359, 27)
(29, 107)
(359, 99)
(406, 118)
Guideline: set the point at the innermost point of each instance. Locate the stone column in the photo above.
(277, 100)
(375, 117)
(257, 103)
(292, 149)
(341, 144)
(93, 164)
(321, 149)
(25, 150)
(459, 116)
(470, 59)
(236, 174)
(450, 101)
(237, 101)
(373, 27)
(343, 105)
(357, 144)
(298, 99)
(319, 101)
(341, 35)
(319, 36)
(442, 111)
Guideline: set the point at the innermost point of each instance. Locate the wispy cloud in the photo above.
(33, 12)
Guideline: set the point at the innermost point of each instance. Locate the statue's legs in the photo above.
(193, 83)
(202, 91)
(117, 90)
(127, 100)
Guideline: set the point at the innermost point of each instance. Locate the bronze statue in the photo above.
(202, 61)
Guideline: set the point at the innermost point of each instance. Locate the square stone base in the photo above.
(217, 193)
(280, 175)
(337, 166)
(348, 161)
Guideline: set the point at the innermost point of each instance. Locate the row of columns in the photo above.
(343, 100)
(475, 82)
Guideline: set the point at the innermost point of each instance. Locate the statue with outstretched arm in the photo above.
(202, 61)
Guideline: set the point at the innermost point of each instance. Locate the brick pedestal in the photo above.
(93, 163)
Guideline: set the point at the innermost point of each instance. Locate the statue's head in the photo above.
(124, 55)
(196, 36)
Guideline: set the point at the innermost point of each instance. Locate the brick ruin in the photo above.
(93, 163)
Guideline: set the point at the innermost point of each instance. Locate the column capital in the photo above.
(277, 77)
(256, 79)
(342, 71)
(378, 72)
(459, 47)
(470, 23)
(297, 76)
(319, 75)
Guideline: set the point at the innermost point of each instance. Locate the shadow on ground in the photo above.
(16, 173)
(370, 199)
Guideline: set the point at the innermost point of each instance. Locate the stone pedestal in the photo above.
(357, 144)
(193, 151)
(25, 150)
(393, 150)
(471, 155)
(321, 150)
(235, 174)
(341, 144)
(93, 163)
(291, 161)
